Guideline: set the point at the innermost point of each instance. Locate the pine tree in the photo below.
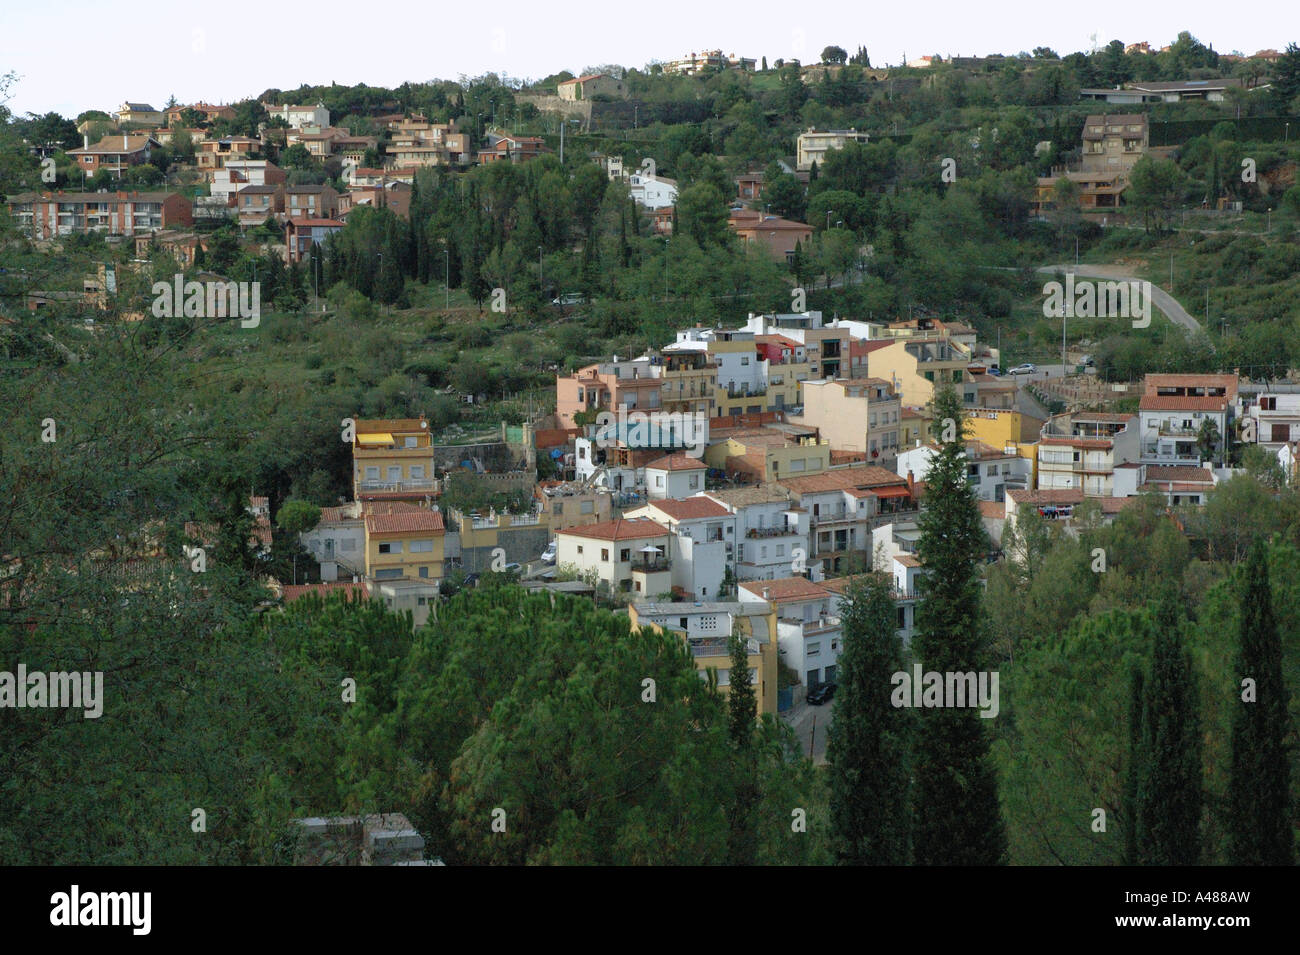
(1169, 792)
(867, 750)
(957, 815)
(1259, 826)
(742, 710)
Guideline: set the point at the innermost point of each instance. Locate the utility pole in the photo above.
(446, 254)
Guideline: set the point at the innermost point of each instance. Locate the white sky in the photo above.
(73, 55)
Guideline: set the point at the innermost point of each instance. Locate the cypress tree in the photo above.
(867, 749)
(957, 816)
(742, 710)
(1169, 783)
(1134, 768)
(1259, 826)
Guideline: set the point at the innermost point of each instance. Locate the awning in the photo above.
(381, 438)
(891, 492)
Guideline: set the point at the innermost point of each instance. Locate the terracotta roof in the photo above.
(747, 496)
(621, 529)
(396, 517)
(293, 591)
(677, 462)
(1088, 444)
(907, 560)
(1179, 472)
(1181, 403)
(785, 589)
(842, 479)
(690, 508)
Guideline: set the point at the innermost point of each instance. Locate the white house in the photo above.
(1273, 420)
(674, 476)
(992, 472)
(704, 535)
(652, 192)
(808, 628)
(771, 531)
(630, 556)
(299, 116)
(338, 542)
(1175, 408)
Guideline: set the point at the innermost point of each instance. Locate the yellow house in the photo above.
(515, 538)
(392, 459)
(914, 427)
(915, 366)
(1006, 429)
(706, 629)
(767, 454)
(404, 542)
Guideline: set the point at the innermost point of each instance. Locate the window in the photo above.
(695, 481)
(991, 470)
(389, 573)
(1268, 404)
(659, 480)
(814, 648)
(422, 601)
(604, 553)
(625, 554)
(394, 473)
(682, 622)
(417, 472)
(422, 547)
(372, 473)
(744, 360)
(411, 442)
(557, 508)
(586, 507)
(424, 572)
(390, 547)
(579, 548)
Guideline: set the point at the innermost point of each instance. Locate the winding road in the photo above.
(1159, 297)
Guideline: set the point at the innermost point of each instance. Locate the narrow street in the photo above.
(810, 724)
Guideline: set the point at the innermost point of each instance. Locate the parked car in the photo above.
(548, 555)
(513, 569)
(823, 693)
(471, 580)
(1087, 361)
(995, 370)
(569, 298)
(1026, 369)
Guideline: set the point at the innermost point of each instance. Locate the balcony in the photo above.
(416, 484)
(1167, 430)
(718, 646)
(764, 532)
(653, 565)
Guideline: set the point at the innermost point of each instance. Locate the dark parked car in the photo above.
(821, 694)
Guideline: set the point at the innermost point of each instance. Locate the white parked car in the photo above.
(1026, 369)
(569, 298)
(548, 555)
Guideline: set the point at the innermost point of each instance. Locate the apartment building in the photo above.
(515, 149)
(488, 541)
(255, 204)
(917, 366)
(392, 459)
(1174, 409)
(1272, 420)
(415, 142)
(635, 384)
(706, 629)
(990, 471)
(213, 154)
(861, 414)
(787, 369)
(1112, 145)
(1082, 449)
(311, 202)
(48, 215)
(809, 635)
(826, 346)
(237, 174)
(843, 505)
(1179, 483)
(571, 504)
(771, 530)
(769, 452)
(814, 144)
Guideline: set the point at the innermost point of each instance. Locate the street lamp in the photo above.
(829, 213)
(446, 254)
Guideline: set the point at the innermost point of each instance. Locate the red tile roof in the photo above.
(785, 589)
(677, 462)
(690, 508)
(841, 480)
(395, 517)
(621, 529)
(1179, 472)
(1181, 403)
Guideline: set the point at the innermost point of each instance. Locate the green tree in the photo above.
(1156, 187)
(742, 710)
(868, 746)
(1259, 818)
(834, 54)
(702, 214)
(1169, 793)
(957, 816)
(297, 517)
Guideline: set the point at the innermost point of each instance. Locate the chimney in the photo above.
(85, 141)
(124, 143)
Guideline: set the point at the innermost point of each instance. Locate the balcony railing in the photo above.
(417, 484)
(718, 646)
(756, 532)
(652, 566)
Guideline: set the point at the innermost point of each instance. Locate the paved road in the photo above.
(810, 724)
(1162, 299)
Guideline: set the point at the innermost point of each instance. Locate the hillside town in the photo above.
(810, 402)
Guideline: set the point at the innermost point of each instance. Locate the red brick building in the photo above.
(47, 215)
